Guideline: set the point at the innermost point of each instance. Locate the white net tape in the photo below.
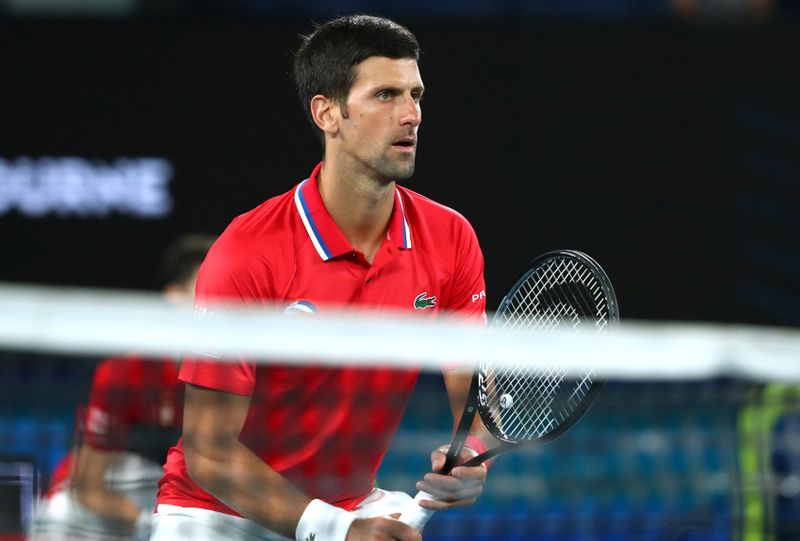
(109, 322)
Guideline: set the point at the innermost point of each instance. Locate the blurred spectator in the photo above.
(106, 487)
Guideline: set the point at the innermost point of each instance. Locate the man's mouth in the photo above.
(406, 143)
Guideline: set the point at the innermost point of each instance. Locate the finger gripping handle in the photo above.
(414, 515)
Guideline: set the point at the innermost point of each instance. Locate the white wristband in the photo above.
(323, 522)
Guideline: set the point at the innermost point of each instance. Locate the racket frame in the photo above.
(613, 316)
(473, 398)
(417, 516)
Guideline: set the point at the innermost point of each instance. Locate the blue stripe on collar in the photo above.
(308, 222)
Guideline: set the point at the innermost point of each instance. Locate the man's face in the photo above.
(379, 125)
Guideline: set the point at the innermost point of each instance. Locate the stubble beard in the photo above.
(394, 169)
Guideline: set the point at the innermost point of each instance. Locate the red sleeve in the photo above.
(468, 289)
(229, 276)
(60, 478)
(107, 421)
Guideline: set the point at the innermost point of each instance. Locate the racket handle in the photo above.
(414, 515)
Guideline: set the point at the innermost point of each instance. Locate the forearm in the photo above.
(108, 504)
(223, 466)
(457, 383)
(245, 483)
(89, 487)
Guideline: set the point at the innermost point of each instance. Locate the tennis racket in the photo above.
(564, 289)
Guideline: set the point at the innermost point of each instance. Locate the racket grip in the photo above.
(414, 515)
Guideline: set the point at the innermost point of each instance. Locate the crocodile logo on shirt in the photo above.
(311, 537)
(422, 302)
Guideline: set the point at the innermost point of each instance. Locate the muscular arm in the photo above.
(218, 462)
(462, 485)
(89, 485)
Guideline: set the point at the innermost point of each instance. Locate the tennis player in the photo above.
(284, 452)
(106, 488)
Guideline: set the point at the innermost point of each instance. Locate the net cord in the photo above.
(103, 322)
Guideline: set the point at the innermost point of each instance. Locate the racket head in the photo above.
(562, 289)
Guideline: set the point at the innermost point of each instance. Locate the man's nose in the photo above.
(412, 112)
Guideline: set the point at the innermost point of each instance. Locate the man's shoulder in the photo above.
(431, 214)
(430, 208)
(130, 365)
(262, 230)
(256, 249)
(114, 372)
(267, 218)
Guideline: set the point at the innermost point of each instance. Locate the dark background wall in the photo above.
(667, 151)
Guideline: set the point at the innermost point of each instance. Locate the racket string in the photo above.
(531, 414)
(563, 292)
(525, 308)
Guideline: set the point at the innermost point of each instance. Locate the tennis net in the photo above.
(695, 435)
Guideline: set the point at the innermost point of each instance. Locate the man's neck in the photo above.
(360, 204)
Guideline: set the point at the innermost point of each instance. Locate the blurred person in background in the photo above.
(106, 487)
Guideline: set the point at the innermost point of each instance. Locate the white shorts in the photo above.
(62, 518)
(174, 523)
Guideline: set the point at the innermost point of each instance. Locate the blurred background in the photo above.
(660, 136)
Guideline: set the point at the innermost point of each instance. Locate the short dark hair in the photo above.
(326, 59)
(183, 257)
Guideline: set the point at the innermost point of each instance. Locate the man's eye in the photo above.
(384, 95)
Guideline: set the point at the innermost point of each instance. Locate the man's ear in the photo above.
(326, 114)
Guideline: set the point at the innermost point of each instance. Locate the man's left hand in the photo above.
(461, 487)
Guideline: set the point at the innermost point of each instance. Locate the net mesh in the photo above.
(659, 456)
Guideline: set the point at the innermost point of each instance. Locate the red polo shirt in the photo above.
(327, 429)
(128, 393)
